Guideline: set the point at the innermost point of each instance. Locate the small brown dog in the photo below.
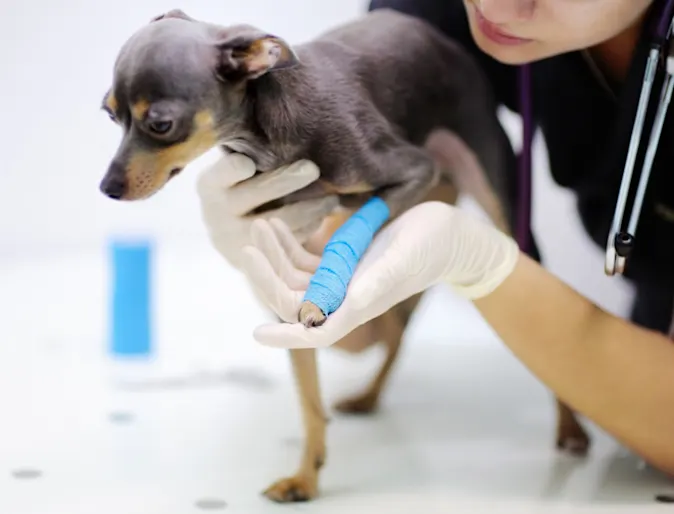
(384, 105)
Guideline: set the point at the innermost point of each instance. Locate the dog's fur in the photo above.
(383, 105)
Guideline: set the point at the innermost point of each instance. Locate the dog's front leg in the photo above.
(410, 175)
(303, 486)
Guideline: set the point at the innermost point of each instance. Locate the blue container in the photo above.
(131, 305)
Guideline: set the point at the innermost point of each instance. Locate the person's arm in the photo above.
(617, 374)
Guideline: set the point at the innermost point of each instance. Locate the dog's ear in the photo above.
(249, 55)
(173, 13)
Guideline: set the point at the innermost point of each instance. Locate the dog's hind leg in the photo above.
(303, 485)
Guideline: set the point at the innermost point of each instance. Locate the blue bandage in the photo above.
(327, 288)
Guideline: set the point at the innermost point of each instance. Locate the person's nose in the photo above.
(506, 11)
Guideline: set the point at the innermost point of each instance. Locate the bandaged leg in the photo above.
(327, 288)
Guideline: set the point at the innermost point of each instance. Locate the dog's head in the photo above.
(179, 89)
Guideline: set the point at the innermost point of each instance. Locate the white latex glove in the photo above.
(228, 193)
(429, 244)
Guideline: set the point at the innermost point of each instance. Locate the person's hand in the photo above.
(228, 192)
(429, 244)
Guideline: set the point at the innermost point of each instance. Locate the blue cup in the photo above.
(131, 298)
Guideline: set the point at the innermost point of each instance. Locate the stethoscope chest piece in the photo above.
(621, 240)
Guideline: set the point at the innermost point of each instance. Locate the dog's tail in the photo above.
(460, 165)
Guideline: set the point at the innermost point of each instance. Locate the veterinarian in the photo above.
(587, 61)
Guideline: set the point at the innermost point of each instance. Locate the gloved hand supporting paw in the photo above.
(429, 244)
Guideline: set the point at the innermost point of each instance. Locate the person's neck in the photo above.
(614, 56)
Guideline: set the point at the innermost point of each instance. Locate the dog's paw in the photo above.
(363, 404)
(573, 439)
(310, 315)
(293, 489)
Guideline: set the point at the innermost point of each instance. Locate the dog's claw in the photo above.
(291, 490)
(310, 315)
(573, 440)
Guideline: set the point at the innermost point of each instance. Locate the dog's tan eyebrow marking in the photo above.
(140, 108)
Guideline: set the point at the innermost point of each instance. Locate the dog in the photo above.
(384, 105)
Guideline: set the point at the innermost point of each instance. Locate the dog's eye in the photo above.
(160, 127)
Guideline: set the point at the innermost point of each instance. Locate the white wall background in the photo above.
(56, 64)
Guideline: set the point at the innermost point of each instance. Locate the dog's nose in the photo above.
(114, 186)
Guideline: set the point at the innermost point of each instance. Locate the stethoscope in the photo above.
(620, 240)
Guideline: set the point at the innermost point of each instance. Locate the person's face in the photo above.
(521, 31)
